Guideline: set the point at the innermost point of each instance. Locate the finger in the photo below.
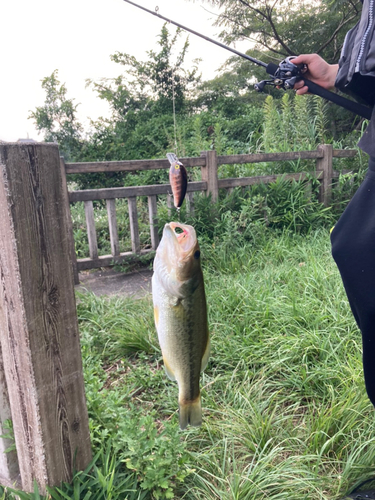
(302, 90)
(299, 84)
(304, 59)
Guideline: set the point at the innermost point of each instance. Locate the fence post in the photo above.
(324, 165)
(39, 335)
(209, 174)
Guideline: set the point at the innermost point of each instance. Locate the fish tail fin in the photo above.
(191, 413)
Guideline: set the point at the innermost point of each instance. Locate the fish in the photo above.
(177, 179)
(180, 313)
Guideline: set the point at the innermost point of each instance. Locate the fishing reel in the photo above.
(285, 76)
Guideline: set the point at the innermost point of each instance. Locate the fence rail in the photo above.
(209, 162)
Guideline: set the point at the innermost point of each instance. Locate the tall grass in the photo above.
(285, 413)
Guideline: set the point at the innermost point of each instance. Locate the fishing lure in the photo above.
(177, 179)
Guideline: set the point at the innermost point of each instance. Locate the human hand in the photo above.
(319, 72)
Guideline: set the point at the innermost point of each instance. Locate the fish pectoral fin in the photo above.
(175, 301)
(168, 370)
(206, 355)
(156, 316)
(190, 412)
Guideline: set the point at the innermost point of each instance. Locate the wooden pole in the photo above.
(324, 165)
(39, 335)
(209, 174)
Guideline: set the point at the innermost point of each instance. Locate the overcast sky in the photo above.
(77, 37)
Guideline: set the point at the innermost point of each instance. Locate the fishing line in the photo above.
(175, 131)
(174, 113)
(174, 118)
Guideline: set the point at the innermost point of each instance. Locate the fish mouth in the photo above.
(184, 235)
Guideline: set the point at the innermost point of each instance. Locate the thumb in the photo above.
(302, 59)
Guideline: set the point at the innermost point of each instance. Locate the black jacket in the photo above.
(358, 52)
(356, 72)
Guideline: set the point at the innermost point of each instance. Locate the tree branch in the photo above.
(342, 24)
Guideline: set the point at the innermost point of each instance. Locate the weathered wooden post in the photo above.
(209, 174)
(39, 336)
(324, 165)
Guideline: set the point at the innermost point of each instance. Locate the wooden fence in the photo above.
(209, 162)
(41, 378)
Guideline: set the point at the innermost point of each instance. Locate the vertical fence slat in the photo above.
(91, 231)
(69, 221)
(152, 214)
(190, 203)
(325, 165)
(170, 204)
(134, 229)
(38, 319)
(209, 174)
(112, 223)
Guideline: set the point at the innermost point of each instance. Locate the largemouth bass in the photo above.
(180, 313)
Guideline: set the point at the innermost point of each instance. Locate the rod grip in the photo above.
(354, 107)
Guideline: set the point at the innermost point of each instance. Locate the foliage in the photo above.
(285, 413)
(158, 83)
(57, 118)
(144, 101)
(295, 123)
(7, 426)
(288, 28)
(158, 105)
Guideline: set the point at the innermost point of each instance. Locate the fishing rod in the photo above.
(283, 75)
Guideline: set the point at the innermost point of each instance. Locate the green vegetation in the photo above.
(286, 416)
(285, 411)
(161, 104)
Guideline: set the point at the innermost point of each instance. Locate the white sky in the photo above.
(77, 37)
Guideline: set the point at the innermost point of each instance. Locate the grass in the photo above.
(285, 413)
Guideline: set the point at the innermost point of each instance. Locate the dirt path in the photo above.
(109, 282)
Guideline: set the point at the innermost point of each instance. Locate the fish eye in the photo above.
(197, 254)
(178, 230)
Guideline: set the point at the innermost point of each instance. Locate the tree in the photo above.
(282, 28)
(279, 28)
(57, 118)
(157, 85)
